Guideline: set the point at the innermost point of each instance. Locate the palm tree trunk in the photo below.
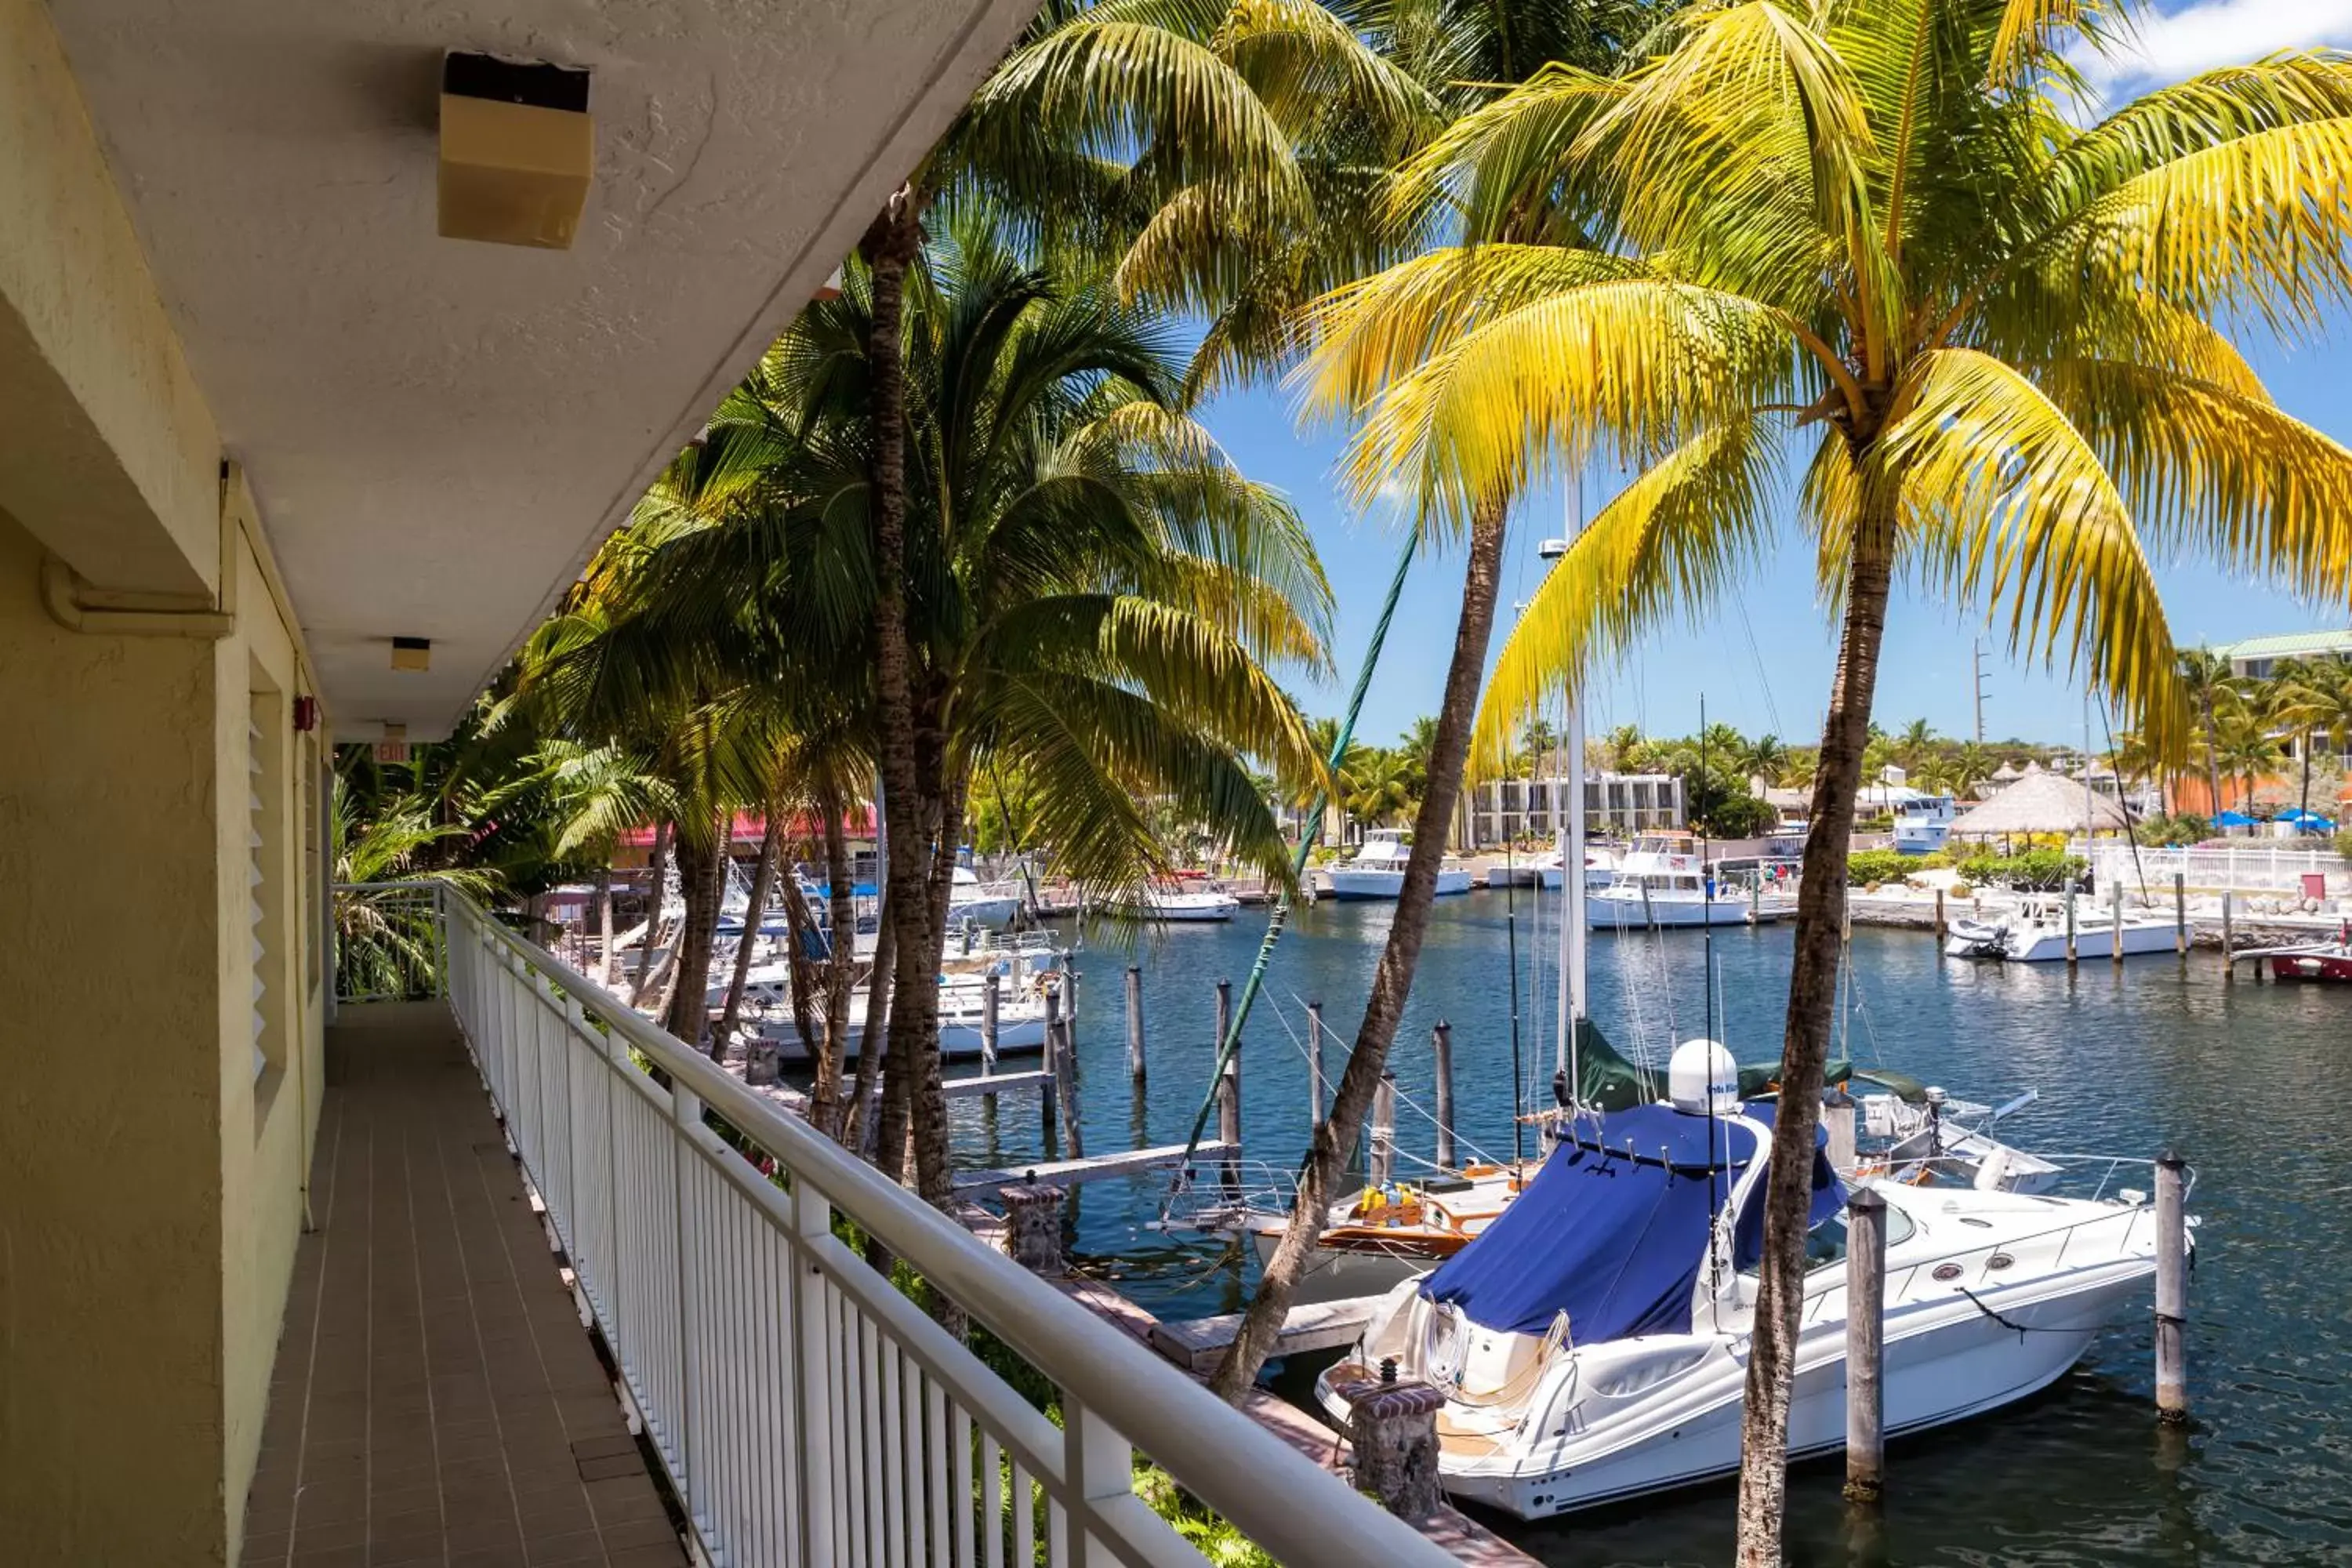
(1804, 1052)
(754, 906)
(660, 869)
(2213, 751)
(1327, 1157)
(604, 973)
(841, 960)
(889, 245)
(873, 1040)
(699, 879)
(802, 984)
(932, 1178)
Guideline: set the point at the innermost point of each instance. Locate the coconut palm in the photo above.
(2214, 694)
(1867, 228)
(2319, 699)
(1764, 758)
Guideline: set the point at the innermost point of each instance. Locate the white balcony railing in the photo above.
(807, 1410)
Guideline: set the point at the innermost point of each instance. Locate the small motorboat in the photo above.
(1187, 898)
(1662, 880)
(2036, 933)
(1377, 870)
(1592, 1342)
(2326, 961)
(1599, 870)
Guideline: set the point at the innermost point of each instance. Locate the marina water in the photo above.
(2247, 1081)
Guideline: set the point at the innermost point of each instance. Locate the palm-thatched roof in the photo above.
(2039, 803)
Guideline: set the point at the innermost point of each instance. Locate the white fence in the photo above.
(2254, 867)
(808, 1413)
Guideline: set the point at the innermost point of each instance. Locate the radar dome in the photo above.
(1702, 1077)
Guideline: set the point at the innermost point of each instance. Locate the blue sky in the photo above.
(1764, 663)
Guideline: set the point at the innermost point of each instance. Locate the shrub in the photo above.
(2039, 870)
(1869, 866)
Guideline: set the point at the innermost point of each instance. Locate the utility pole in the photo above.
(1976, 648)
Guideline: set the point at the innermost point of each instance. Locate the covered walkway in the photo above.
(435, 1398)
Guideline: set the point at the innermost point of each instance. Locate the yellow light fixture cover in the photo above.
(514, 174)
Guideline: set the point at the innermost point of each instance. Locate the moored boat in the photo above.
(2327, 961)
(1377, 869)
(2036, 933)
(1663, 880)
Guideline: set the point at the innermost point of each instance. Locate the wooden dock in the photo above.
(1101, 1167)
(1199, 1345)
(998, 1083)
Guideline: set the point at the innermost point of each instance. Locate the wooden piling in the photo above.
(2179, 914)
(2229, 943)
(2171, 1289)
(1441, 1044)
(988, 1001)
(2119, 925)
(1229, 1090)
(1065, 1087)
(2070, 927)
(1051, 1096)
(1318, 1088)
(1383, 1157)
(1940, 914)
(1135, 1023)
(1865, 1345)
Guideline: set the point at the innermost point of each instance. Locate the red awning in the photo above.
(750, 828)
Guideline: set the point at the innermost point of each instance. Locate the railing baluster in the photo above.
(816, 1436)
(992, 1501)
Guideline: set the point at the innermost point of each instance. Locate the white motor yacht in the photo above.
(1377, 872)
(1600, 869)
(1663, 880)
(1592, 1341)
(1020, 1016)
(2036, 933)
(1179, 900)
(992, 904)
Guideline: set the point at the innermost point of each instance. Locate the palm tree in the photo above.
(1868, 227)
(1764, 758)
(1627, 750)
(1914, 743)
(2319, 697)
(2214, 692)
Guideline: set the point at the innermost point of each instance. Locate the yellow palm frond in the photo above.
(1630, 367)
(2018, 515)
(1498, 165)
(1380, 330)
(1666, 544)
(2255, 226)
(2212, 468)
(2032, 31)
(1307, 66)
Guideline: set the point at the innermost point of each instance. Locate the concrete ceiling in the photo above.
(439, 432)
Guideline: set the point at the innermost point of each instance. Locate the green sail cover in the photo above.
(1607, 1081)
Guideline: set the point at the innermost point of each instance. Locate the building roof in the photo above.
(2039, 803)
(2289, 644)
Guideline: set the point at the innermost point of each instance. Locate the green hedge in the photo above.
(1865, 867)
(2035, 870)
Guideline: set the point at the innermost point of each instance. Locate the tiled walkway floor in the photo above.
(436, 1399)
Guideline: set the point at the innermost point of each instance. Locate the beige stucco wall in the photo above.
(150, 1193)
(110, 447)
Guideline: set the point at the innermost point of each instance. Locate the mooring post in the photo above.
(2070, 926)
(1441, 1046)
(1135, 1023)
(988, 1005)
(1316, 1088)
(1050, 1094)
(1033, 1227)
(1865, 1345)
(1065, 1087)
(2180, 914)
(1940, 914)
(1392, 1433)
(2171, 1289)
(1383, 1159)
(1837, 1120)
(2118, 925)
(2228, 945)
(1229, 1092)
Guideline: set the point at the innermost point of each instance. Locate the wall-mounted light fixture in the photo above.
(412, 653)
(518, 150)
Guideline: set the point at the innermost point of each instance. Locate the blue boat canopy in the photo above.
(1612, 1230)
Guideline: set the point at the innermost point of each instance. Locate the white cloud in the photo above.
(2164, 48)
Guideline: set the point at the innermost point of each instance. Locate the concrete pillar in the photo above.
(1392, 1431)
(759, 1061)
(1033, 1227)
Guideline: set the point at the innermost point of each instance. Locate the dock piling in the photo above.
(989, 1000)
(2180, 914)
(1940, 914)
(1441, 1044)
(2229, 945)
(1229, 1091)
(2171, 1289)
(1052, 1094)
(2118, 924)
(1865, 1345)
(1384, 1156)
(1065, 1087)
(1135, 1023)
(1318, 1088)
(2070, 927)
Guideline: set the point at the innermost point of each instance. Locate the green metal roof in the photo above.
(2290, 645)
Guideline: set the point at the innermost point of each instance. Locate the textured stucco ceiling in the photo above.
(439, 432)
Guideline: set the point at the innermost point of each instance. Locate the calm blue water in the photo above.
(2247, 1081)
